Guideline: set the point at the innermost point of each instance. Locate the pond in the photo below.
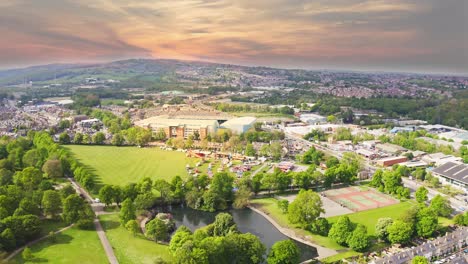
(247, 221)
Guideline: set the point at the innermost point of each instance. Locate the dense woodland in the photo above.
(33, 190)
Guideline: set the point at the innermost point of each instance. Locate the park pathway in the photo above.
(322, 252)
(98, 209)
(14, 253)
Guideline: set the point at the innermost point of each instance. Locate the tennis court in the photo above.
(359, 198)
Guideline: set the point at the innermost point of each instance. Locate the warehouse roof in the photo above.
(455, 171)
(246, 120)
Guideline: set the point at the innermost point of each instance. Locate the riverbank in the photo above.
(322, 252)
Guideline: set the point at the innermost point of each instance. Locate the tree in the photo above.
(6, 176)
(419, 260)
(118, 140)
(284, 252)
(331, 119)
(164, 189)
(427, 222)
(242, 248)
(53, 168)
(399, 232)
(257, 183)
(78, 139)
(64, 138)
(106, 194)
(421, 194)
(189, 254)
(303, 179)
(223, 224)
(8, 239)
(341, 230)
(305, 208)
(249, 150)
(461, 219)
(133, 227)
(270, 181)
(381, 227)
(31, 158)
(29, 178)
(377, 179)
(426, 226)
(283, 205)
(156, 230)
(99, 138)
(72, 206)
(392, 181)
(320, 226)
(242, 198)
(127, 211)
(27, 254)
(441, 205)
(51, 203)
(222, 184)
(182, 235)
(276, 151)
(358, 240)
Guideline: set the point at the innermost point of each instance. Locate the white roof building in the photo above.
(239, 125)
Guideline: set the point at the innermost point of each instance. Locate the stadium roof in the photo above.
(156, 121)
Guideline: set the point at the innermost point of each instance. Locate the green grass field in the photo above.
(369, 218)
(71, 246)
(128, 248)
(122, 165)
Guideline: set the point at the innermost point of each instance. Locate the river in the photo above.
(246, 220)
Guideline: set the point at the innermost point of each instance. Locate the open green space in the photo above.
(71, 246)
(122, 165)
(132, 249)
(369, 218)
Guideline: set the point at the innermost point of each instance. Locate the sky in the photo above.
(375, 35)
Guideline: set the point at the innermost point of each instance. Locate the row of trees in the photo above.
(418, 221)
(390, 182)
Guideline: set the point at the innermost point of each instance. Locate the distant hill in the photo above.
(113, 70)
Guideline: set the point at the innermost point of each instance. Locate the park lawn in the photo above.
(131, 249)
(122, 165)
(71, 246)
(369, 218)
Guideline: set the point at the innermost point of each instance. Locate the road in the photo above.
(98, 209)
(457, 205)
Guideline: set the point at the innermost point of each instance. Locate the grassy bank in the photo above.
(132, 249)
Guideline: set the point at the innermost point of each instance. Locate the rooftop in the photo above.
(455, 171)
(247, 120)
(157, 121)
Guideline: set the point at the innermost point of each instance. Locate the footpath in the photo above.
(29, 244)
(322, 252)
(100, 231)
